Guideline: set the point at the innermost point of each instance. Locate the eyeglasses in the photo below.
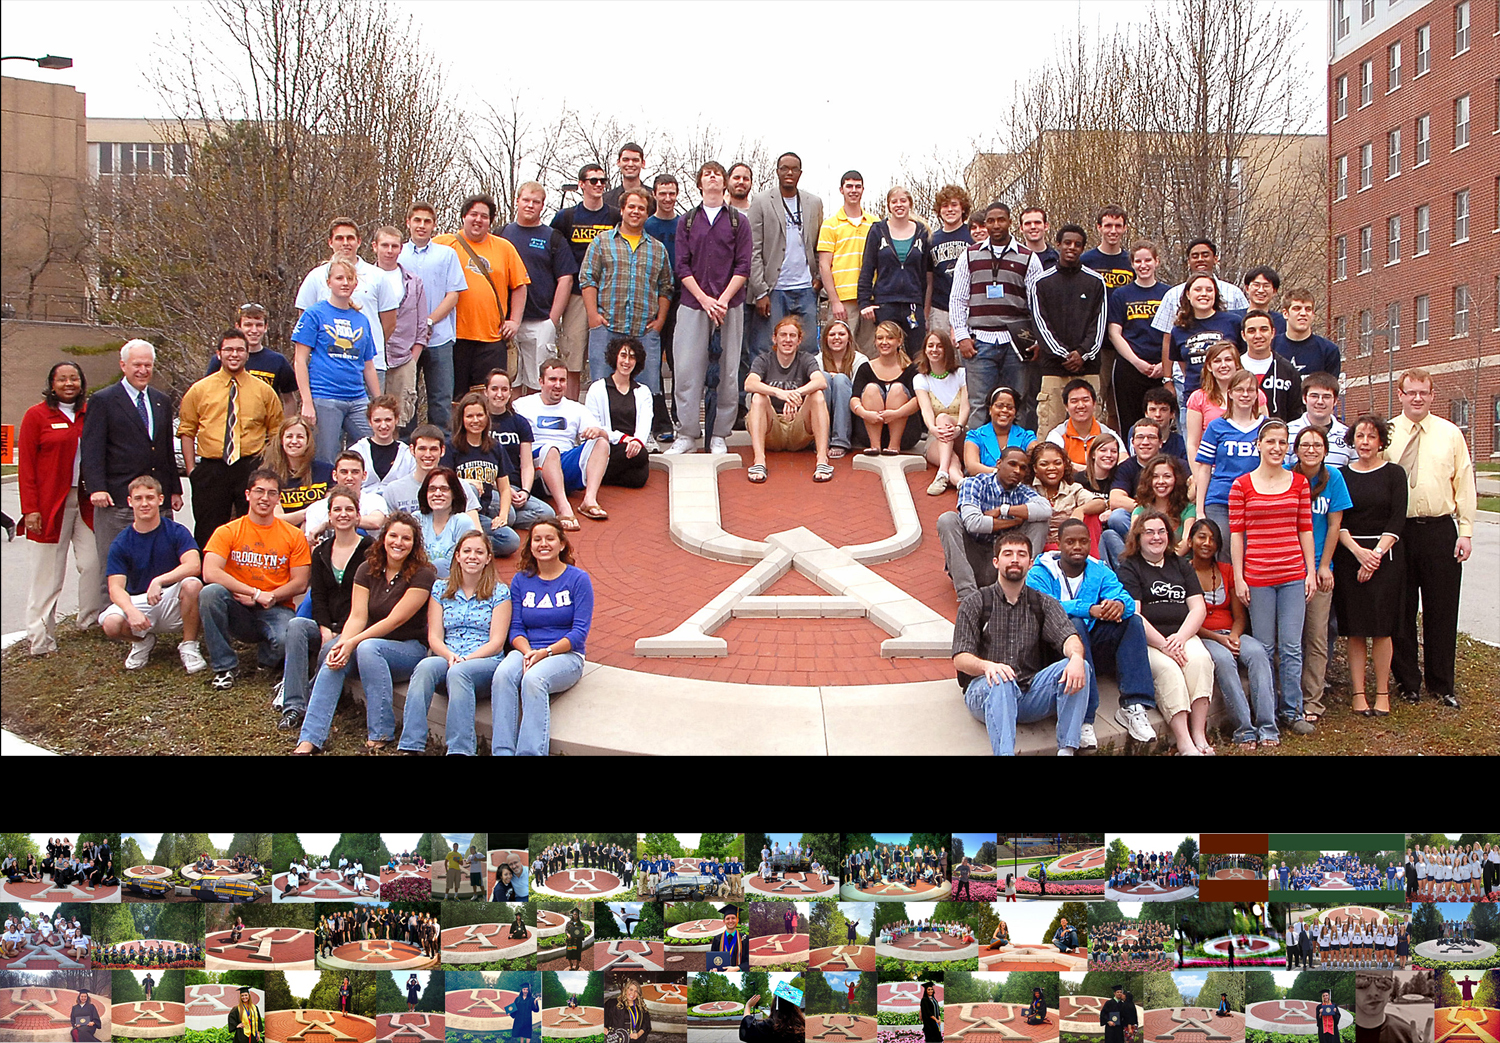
(596, 180)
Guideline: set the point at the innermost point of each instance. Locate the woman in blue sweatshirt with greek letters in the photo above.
(552, 606)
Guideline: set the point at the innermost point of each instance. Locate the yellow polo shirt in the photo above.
(845, 239)
(205, 408)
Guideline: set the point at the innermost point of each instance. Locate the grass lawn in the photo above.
(1488, 465)
(81, 700)
(6, 470)
(1489, 503)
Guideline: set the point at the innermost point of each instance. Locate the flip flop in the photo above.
(890, 452)
(593, 512)
(870, 452)
(568, 522)
(837, 452)
(756, 473)
(823, 473)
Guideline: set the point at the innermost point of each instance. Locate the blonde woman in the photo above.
(304, 480)
(838, 360)
(335, 362)
(1211, 400)
(628, 1011)
(893, 273)
(884, 394)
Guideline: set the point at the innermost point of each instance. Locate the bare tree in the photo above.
(312, 109)
(48, 241)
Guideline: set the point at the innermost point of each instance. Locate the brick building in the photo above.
(1414, 207)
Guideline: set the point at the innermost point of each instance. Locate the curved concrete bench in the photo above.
(602, 715)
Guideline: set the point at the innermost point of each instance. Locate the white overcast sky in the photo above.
(769, 87)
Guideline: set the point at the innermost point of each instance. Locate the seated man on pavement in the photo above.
(786, 409)
(989, 504)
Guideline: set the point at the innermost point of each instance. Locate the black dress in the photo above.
(932, 1031)
(1371, 609)
(627, 471)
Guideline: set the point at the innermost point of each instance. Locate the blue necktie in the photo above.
(140, 407)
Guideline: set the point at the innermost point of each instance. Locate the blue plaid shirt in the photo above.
(629, 281)
(983, 492)
(466, 620)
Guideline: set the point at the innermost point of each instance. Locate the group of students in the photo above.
(1355, 871)
(1346, 943)
(92, 868)
(147, 954)
(1211, 864)
(1147, 951)
(1458, 873)
(376, 923)
(31, 931)
(893, 932)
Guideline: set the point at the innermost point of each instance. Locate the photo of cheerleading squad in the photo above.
(1349, 937)
(1121, 939)
(1443, 867)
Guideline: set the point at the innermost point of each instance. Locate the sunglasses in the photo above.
(252, 306)
(596, 180)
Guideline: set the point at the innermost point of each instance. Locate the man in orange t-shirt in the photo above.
(252, 567)
(489, 314)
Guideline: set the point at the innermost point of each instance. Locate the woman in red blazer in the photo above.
(55, 515)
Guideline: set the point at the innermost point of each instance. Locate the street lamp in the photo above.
(53, 62)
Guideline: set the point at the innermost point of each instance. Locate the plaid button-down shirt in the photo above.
(629, 281)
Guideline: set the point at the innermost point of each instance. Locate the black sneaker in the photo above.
(223, 680)
(291, 721)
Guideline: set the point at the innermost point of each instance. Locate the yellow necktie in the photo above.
(1409, 455)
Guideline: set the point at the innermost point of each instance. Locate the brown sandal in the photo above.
(593, 512)
(568, 522)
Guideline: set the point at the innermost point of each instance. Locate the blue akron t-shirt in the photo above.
(1132, 308)
(1314, 355)
(1190, 346)
(1114, 269)
(1232, 451)
(341, 345)
(548, 257)
(142, 556)
(945, 248)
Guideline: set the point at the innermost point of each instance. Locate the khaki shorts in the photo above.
(573, 338)
(535, 340)
(789, 436)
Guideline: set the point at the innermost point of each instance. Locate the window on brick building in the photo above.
(1366, 331)
(1461, 215)
(1341, 258)
(1393, 66)
(1424, 49)
(1393, 153)
(1340, 19)
(1461, 28)
(1460, 412)
(1424, 139)
(1424, 226)
(1460, 311)
(1366, 165)
(1420, 315)
(1341, 97)
(1393, 239)
(1366, 82)
(1366, 11)
(1366, 234)
(1341, 334)
(1460, 121)
(1393, 324)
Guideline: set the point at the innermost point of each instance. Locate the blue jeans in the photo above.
(599, 366)
(520, 702)
(529, 513)
(378, 663)
(1276, 621)
(1118, 522)
(304, 649)
(1218, 513)
(436, 366)
(461, 680)
(1111, 548)
(840, 419)
(1261, 706)
(224, 619)
(1002, 705)
(335, 417)
(992, 366)
(802, 303)
(1121, 646)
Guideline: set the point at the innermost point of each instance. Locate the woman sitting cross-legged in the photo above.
(622, 406)
(466, 629)
(884, 395)
(384, 639)
(552, 609)
(943, 398)
(838, 360)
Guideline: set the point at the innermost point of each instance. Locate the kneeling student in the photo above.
(153, 569)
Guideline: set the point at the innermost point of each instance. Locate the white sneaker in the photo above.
(1087, 740)
(717, 447)
(1133, 719)
(192, 657)
(682, 445)
(1065, 751)
(651, 446)
(140, 651)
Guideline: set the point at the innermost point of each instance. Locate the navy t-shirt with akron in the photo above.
(1133, 307)
(1190, 346)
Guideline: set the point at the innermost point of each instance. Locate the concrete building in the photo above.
(1414, 156)
(43, 224)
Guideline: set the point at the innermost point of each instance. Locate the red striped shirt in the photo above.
(1271, 523)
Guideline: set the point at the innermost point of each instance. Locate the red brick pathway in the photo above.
(644, 584)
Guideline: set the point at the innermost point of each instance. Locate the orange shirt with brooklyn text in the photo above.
(261, 555)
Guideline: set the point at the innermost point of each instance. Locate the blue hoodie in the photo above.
(1098, 583)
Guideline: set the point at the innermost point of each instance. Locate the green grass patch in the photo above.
(891, 1017)
(1346, 1035)
(112, 348)
(1489, 503)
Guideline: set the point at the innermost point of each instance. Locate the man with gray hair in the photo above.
(127, 432)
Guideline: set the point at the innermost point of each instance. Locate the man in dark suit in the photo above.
(127, 432)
